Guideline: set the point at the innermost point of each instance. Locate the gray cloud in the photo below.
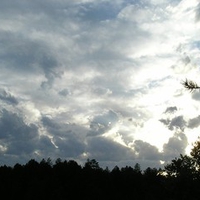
(102, 123)
(165, 121)
(104, 149)
(13, 127)
(99, 11)
(16, 137)
(18, 52)
(174, 123)
(45, 148)
(194, 122)
(196, 96)
(171, 109)
(50, 124)
(65, 92)
(23, 56)
(146, 155)
(69, 146)
(68, 138)
(177, 122)
(198, 13)
(175, 146)
(7, 97)
(80, 70)
(186, 60)
(146, 151)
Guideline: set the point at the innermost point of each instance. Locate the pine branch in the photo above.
(190, 85)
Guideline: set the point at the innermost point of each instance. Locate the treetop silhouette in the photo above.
(190, 85)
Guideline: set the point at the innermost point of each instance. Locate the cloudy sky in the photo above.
(98, 79)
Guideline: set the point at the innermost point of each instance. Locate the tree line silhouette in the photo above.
(179, 179)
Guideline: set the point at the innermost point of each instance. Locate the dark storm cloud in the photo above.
(7, 97)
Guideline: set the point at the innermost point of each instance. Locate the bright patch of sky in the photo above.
(98, 79)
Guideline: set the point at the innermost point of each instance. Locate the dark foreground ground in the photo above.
(67, 180)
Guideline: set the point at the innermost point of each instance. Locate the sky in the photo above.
(98, 79)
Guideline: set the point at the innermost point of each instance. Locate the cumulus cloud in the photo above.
(104, 149)
(68, 139)
(174, 123)
(177, 122)
(16, 137)
(175, 146)
(171, 109)
(7, 97)
(195, 122)
(100, 124)
(146, 151)
(147, 154)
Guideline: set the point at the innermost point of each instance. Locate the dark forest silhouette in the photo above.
(179, 179)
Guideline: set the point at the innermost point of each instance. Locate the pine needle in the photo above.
(190, 85)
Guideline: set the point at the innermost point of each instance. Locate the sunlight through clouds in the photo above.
(98, 78)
